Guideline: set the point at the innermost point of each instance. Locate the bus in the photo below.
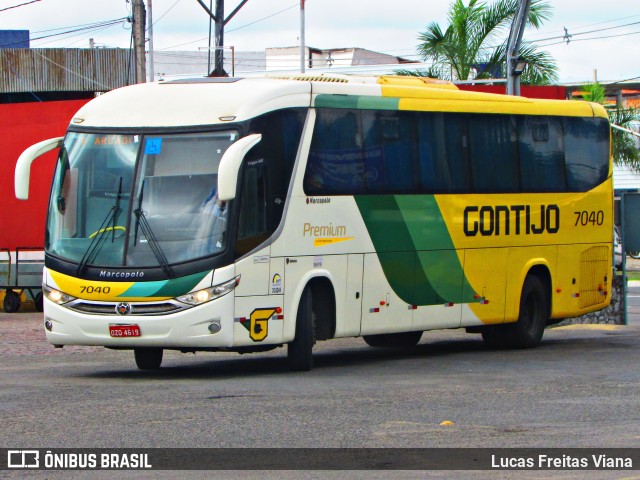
(246, 214)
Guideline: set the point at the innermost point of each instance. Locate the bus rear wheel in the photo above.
(148, 358)
(404, 339)
(528, 330)
(299, 351)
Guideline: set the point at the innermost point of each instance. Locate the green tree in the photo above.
(477, 35)
(624, 146)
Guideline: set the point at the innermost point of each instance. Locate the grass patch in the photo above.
(633, 275)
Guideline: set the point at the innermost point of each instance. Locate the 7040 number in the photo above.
(85, 289)
(592, 217)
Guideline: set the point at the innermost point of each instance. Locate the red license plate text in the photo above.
(124, 330)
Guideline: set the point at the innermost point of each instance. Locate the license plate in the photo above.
(124, 331)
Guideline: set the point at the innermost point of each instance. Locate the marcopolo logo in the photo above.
(318, 201)
(488, 220)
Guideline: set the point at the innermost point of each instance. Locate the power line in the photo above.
(584, 26)
(100, 25)
(592, 38)
(234, 29)
(20, 5)
(167, 11)
(73, 27)
(582, 33)
(265, 18)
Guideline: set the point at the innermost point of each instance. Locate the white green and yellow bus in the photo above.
(247, 214)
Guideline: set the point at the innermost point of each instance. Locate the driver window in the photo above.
(252, 225)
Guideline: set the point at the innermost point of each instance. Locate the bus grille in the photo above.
(595, 264)
(161, 308)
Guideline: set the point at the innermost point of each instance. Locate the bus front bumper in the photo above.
(190, 328)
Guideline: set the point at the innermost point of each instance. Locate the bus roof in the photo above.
(209, 101)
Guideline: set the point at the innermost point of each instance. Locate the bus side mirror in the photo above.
(23, 166)
(230, 165)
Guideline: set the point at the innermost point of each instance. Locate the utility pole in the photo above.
(138, 40)
(303, 49)
(514, 66)
(219, 22)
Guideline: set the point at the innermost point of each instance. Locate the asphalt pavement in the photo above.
(633, 293)
(585, 394)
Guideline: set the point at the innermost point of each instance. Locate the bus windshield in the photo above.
(137, 200)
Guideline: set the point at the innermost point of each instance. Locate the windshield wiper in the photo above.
(101, 234)
(137, 213)
(142, 223)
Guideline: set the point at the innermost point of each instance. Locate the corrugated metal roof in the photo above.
(624, 178)
(65, 69)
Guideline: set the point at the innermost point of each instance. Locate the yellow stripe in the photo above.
(320, 242)
(96, 290)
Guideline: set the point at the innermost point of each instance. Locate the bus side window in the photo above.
(542, 154)
(492, 143)
(336, 164)
(587, 157)
(252, 224)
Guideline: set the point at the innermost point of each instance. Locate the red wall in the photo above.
(22, 125)
(549, 92)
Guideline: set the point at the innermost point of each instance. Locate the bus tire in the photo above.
(532, 319)
(299, 351)
(534, 312)
(148, 358)
(404, 339)
(11, 301)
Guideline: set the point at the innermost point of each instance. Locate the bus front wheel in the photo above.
(299, 351)
(148, 358)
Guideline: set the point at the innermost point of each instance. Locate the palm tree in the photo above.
(624, 146)
(476, 40)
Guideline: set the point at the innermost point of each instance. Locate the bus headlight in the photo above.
(207, 294)
(56, 296)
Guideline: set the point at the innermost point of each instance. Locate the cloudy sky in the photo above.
(605, 35)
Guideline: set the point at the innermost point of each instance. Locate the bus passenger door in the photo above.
(353, 297)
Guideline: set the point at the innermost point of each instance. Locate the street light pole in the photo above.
(513, 47)
(220, 22)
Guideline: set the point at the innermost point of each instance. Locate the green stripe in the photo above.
(415, 249)
(164, 288)
(365, 102)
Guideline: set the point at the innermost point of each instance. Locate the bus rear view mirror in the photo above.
(230, 165)
(23, 166)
